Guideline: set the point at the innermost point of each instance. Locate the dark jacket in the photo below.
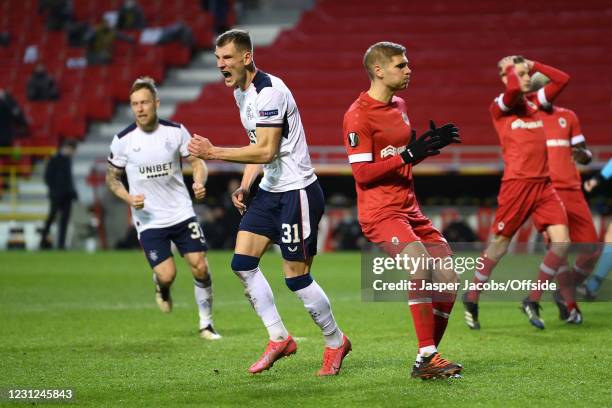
(58, 177)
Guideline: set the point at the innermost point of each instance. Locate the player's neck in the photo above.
(380, 93)
(248, 79)
(150, 127)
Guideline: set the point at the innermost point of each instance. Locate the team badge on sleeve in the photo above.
(353, 139)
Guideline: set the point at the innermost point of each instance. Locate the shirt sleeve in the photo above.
(271, 108)
(357, 138)
(558, 81)
(576, 131)
(185, 138)
(118, 155)
(506, 100)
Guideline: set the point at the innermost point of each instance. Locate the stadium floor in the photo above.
(89, 322)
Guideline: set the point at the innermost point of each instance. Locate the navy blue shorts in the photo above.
(186, 235)
(290, 219)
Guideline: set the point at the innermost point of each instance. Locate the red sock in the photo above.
(549, 266)
(584, 265)
(422, 314)
(481, 276)
(442, 307)
(566, 286)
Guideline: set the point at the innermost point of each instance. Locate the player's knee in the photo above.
(244, 262)
(200, 269)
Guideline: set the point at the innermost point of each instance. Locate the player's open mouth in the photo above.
(226, 74)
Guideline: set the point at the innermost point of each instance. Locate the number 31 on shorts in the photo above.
(287, 230)
(196, 231)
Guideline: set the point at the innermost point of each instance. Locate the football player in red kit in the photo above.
(566, 146)
(382, 148)
(526, 189)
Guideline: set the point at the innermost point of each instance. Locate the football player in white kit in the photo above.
(286, 208)
(149, 151)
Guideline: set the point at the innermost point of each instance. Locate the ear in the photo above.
(378, 71)
(157, 103)
(248, 58)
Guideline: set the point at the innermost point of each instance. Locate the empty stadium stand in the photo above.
(453, 48)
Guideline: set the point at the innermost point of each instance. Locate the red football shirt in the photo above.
(562, 132)
(522, 138)
(373, 132)
(519, 126)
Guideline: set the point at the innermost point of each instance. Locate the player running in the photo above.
(526, 189)
(149, 151)
(286, 208)
(376, 131)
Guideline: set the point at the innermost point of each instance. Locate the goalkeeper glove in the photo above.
(419, 149)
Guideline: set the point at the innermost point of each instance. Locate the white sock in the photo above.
(204, 300)
(425, 352)
(316, 302)
(259, 293)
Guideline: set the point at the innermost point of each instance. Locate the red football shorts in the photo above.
(396, 231)
(580, 220)
(520, 199)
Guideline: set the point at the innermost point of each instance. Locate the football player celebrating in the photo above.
(287, 207)
(149, 151)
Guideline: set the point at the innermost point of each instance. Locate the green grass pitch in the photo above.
(90, 323)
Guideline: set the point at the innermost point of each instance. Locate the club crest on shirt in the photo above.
(562, 122)
(405, 118)
(249, 112)
(500, 226)
(395, 241)
(168, 145)
(353, 139)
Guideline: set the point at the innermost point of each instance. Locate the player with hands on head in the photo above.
(526, 190)
(149, 152)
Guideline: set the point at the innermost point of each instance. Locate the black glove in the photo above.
(419, 149)
(447, 134)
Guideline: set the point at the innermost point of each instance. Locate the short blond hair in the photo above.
(144, 82)
(380, 53)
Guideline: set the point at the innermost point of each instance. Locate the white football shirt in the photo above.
(152, 162)
(267, 102)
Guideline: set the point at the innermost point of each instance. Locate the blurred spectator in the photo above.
(347, 234)
(77, 32)
(131, 16)
(162, 35)
(41, 85)
(59, 13)
(100, 43)
(30, 55)
(219, 9)
(12, 119)
(5, 38)
(58, 178)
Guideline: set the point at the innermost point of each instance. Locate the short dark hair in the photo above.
(240, 38)
(381, 52)
(144, 82)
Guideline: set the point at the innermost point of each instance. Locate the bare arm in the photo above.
(113, 181)
(200, 176)
(240, 196)
(264, 151)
